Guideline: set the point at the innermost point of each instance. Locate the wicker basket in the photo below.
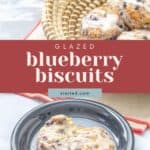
(62, 18)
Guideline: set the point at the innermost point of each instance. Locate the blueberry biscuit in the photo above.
(136, 13)
(60, 133)
(135, 35)
(102, 23)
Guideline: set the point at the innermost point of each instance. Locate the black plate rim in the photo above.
(116, 113)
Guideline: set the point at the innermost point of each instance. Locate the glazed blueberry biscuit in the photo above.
(135, 35)
(136, 13)
(60, 133)
(102, 23)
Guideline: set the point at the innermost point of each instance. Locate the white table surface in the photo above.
(13, 107)
(17, 17)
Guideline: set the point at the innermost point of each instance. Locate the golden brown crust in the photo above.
(136, 15)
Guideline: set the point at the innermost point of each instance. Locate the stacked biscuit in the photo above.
(97, 19)
(121, 19)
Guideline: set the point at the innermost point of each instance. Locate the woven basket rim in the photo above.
(61, 19)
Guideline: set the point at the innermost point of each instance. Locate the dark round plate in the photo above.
(84, 112)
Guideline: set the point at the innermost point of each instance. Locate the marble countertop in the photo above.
(17, 17)
(13, 107)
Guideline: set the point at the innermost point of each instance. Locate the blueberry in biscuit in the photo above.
(136, 13)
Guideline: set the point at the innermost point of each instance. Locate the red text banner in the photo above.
(114, 66)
